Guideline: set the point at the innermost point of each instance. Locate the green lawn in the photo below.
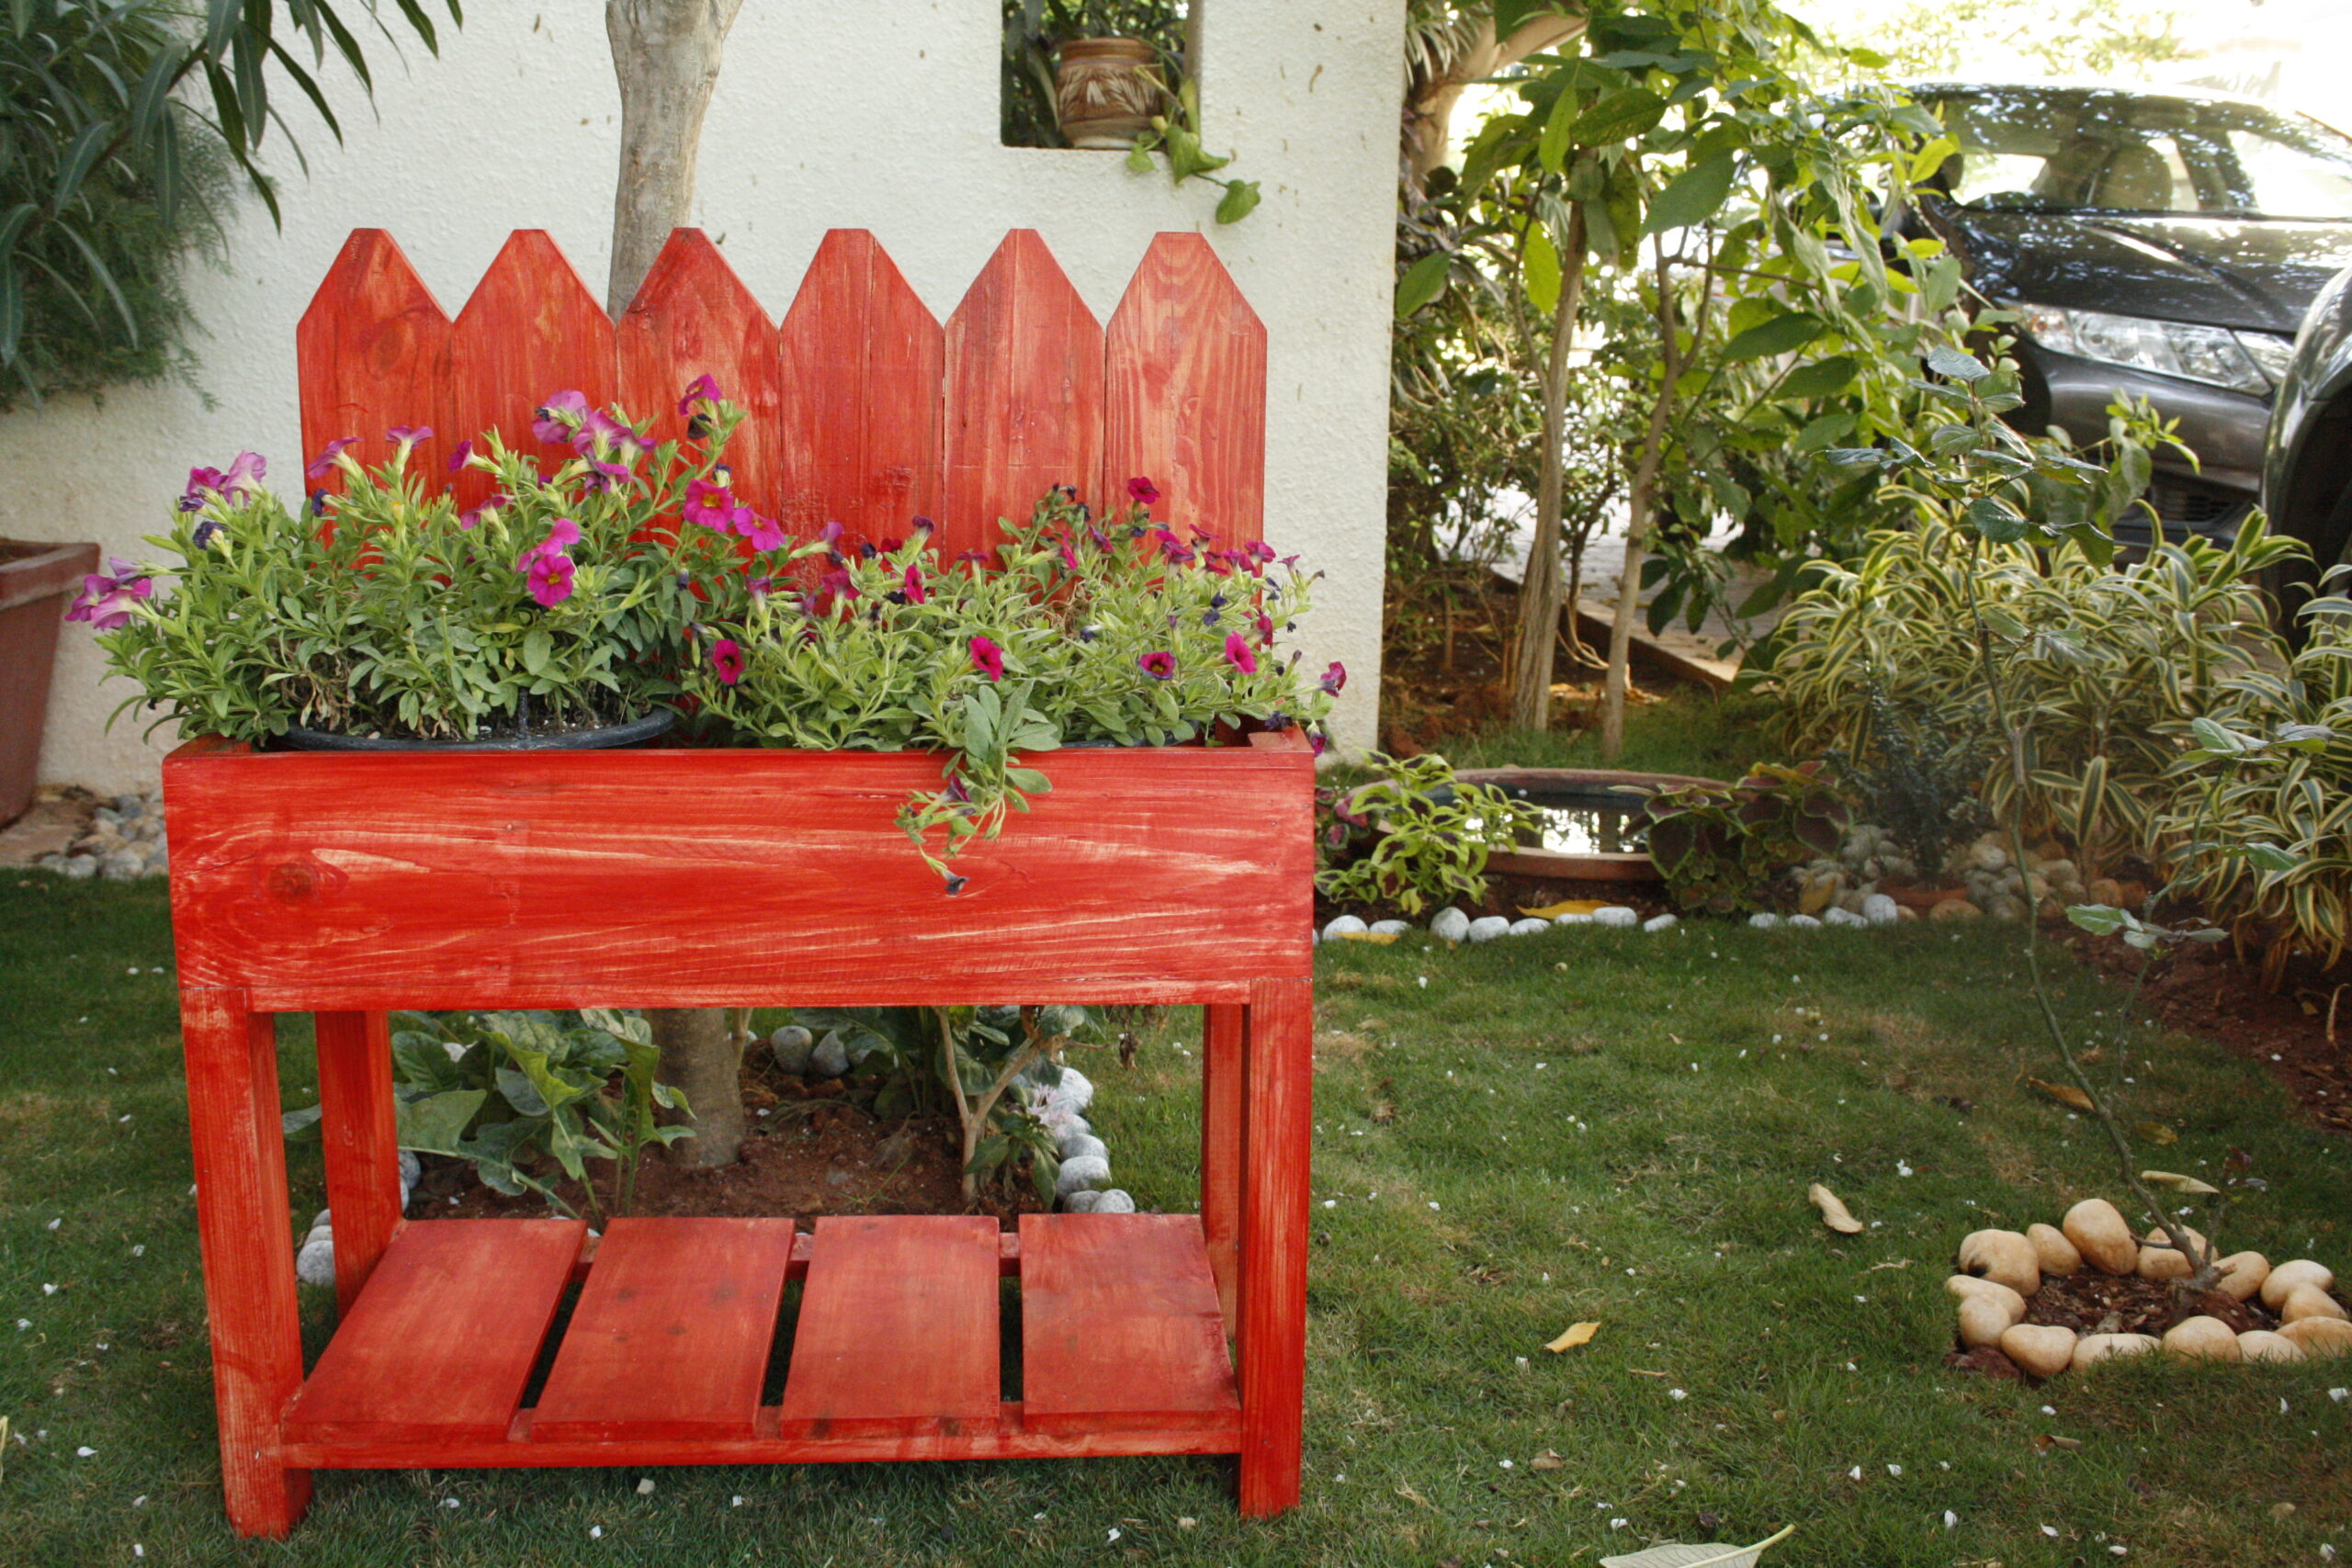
(1588, 1124)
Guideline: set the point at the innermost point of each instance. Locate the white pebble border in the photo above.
(125, 842)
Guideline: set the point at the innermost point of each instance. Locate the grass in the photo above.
(1588, 1124)
(1692, 731)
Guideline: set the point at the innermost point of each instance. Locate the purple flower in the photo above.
(559, 416)
(604, 478)
(245, 471)
(1237, 654)
(601, 434)
(486, 510)
(712, 505)
(765, 533)
(1160, 664)
(1069, 558)
(830, 534)
(1173, 550)
(464, 450)
(957, 790)
(955, 884)
(322, 465)
(409, 434)
(203, 532)
(727, 654)
(106, 600)
(1142, 490)
(550, 578)
(916, 592)
(702, 389)
(1335, 679)
(987, 657)
(923, 526)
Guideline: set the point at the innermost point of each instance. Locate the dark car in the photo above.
(2159, 244)
(2307, 484)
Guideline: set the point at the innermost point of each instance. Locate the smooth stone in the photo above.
(1344, 925)
(2093, 1348)
(1114, 1201)
(1955, 909)
(2096, 1228)
(2004, 1257)
(2007, 909)
(1082, 1143)
(1965, 1286)
(1529, 926)
(1573, 919)
(2283, 1280)
(2242, 1275)
(1834, 916)
(791, 1046)
(1657, 923)
(79, 868)
(2104, 890)
(2054, 1251)
(2044, 1350)
(2261, 1344)
(1073, 1090)
(2308, 1300)
(1988, 857)
(314, 1264)
(2204, 1339)
(1391, 928)
(2319, 1338)
(1616, 915)
(1984, 1318)
(1450, 924)
(123, 865)
(1085, 1170)
(1804, 922)
(1764, 921)
(2159, 1259)
(1085, 1200)
(1486, 927)
(1880, 909)
(830, 1059)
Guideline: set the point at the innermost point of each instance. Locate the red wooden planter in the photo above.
(347, 884)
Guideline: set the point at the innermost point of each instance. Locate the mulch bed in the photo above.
(2105, 1303)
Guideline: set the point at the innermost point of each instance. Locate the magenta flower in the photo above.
(106, 600)
(1160, 664)
(765, 533)
(244, 473)
(562, 534)
(988, 658)
(916, 592)
(727, 654)
(457, 457)
(409, 434)
(1335, 679)
(558, 417)
(322, 465)
(711, 506)
(1237, 654)
(487, 510)
(702, 389)
(1069, 558)
(601, 434)
(550, 578)
(1142, 490)
(1173, 550)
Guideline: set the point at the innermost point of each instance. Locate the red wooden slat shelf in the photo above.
(345, 886)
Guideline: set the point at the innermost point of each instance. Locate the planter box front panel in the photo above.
(709, 877)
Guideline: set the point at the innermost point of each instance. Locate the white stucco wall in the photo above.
(876, 114)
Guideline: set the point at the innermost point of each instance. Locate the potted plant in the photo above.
(34, 580)
(1109, 79)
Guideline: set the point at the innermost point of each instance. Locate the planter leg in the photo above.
(363, 1154)
(1223, 1080)
(1281, 1130)
(242, 1212)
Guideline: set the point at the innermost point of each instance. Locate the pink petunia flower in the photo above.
(407, 436)
(1160, 664)
(244, 475)
(712, 505)
(550, 578)
(1335, 679)
(323, 464)
(702, 389)
(727, 654)
(1142, 490)
(987, 657)
(106, 598)
(765, 533)
(916, 592)
(460, 455)
(1237, 654)
(556, 419)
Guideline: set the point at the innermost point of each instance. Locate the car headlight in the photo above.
(2244, 362)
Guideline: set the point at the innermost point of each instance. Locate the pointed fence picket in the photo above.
(861, 409)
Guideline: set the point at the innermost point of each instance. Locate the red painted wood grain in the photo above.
(898, 1329)
(1273, 1243)
(1120, 1328)
(1224, 1104)
(1184, 394)
(530, 330)
(373, 352)
(1024, 393)
(860, 427)
(357, 1127)
(693, 317)
(670, 1337)
(656, 878)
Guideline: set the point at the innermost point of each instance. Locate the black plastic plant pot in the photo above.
(598, 738)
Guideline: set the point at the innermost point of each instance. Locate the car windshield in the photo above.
(2090, 150)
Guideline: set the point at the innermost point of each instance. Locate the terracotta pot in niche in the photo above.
(1106, 90)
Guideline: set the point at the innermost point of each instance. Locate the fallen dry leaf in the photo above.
(2063, 1093)
(2155, 1132)
(1565, 906)
(2043, 1442)
(1547, 1460)
(1405, 1490)
(1577, 1333)
(1833, 1214)
(1378, 939)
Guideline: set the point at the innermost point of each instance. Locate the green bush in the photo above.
(1729, 848)
(1429, 836)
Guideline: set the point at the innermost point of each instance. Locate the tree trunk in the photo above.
(700, 1057)
(1539, 589)
(1428, 102)
(1640, 504)
(666, 55)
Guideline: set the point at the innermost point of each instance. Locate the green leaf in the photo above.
(1950, 363)
(1616, 117)
(537, 645)
(1423, 281)
(1541, 272)
(2097, 918)
(1995, 519)
(1510, 14)
(1831, 374)
(1782, 334)
(1240, 199)
(432, 1126)
(1692, 196)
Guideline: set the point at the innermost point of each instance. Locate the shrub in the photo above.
(1430, 836)
(1727, 848)
(1923, 783)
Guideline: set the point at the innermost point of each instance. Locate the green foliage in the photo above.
(501, 1089)
(1033, 28)
(1922, 782)
(408, 619)
(110, 169)
(1430, 837)
(1107, 631)
(1729, 848)
(1930, 39)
